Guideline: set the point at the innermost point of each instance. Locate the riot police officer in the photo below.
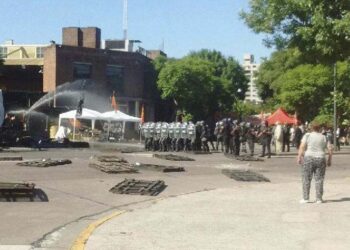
(164, 135)
(171, 141)
(184, 136)
(219, 136)
(156, 136)
(191, 132)
(151, 129)
(177, 135)
(251, 137)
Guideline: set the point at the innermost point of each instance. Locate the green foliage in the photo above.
(248, 108)
(270, 70)
(202, 83)
(304, 89)
(310, 35)
(219, 61)
(187, 117)
(230, 72)
(160, 61)
(324, 120)
(190, 82)
(320, 29)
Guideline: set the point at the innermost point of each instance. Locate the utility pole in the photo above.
(335, 106)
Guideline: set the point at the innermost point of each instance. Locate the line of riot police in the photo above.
(229, 135)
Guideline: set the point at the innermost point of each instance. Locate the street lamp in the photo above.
(238, 104)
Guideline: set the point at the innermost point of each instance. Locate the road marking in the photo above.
(79, 243)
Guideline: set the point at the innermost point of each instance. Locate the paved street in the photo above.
(200, 208)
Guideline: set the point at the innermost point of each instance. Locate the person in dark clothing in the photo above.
(204, 138)
(236, 139)
(298, 136)
(79, 111)
(265, 136)
(218, 132)
(251, 136)
(286, 138)
(226, 135)
(210, 136)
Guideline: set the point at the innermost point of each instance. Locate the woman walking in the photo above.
(312, 157)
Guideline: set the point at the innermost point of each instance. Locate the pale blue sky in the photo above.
(184, 25)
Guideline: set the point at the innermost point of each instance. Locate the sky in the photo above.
(181, 25)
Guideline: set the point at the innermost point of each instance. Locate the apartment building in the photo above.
(250, 70)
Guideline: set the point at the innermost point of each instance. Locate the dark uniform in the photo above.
(251, 137)
(265, 137)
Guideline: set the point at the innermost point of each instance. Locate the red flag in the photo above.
(143, 113)
(114, 103)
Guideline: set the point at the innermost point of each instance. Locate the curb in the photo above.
(79, 243)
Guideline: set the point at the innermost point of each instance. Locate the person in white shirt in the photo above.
(312, 157)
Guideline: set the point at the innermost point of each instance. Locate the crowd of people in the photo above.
(228, 136)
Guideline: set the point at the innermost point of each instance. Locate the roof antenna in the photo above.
(125, 19)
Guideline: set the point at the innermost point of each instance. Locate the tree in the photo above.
(160, 61)
(304, 89)
(270, 70)
(319, 28)
(233, 83)
(191, 83)
(342, 95)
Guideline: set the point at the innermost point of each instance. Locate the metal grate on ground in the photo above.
(11, 158)
(243, 157)
(244, 175)
(44, 163)
(160, 168)
(140, 187)
(11, 189)
(172, 157)
(111, 164)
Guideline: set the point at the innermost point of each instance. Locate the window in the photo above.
(3, 52)
(82, 70)
(39, 52)
(115, 78)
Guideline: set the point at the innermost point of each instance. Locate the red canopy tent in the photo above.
(282, 117)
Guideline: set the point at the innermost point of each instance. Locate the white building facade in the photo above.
(250, 70)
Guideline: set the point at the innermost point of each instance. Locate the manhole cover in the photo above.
(44, 163)
(111, 164)
(243, 157)
(140, 187)
(172, 157)
(160, 168)
(244, 175)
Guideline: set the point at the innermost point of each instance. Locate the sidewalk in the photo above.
(258, 216)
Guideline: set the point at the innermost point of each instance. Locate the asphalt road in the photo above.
(78, 195)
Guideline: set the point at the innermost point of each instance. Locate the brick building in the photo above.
(80, 57)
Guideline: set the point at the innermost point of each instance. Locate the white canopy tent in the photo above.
(119, 116)
(87, 114)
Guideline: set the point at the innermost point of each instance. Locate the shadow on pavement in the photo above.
(38, 196)
(338, 200)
